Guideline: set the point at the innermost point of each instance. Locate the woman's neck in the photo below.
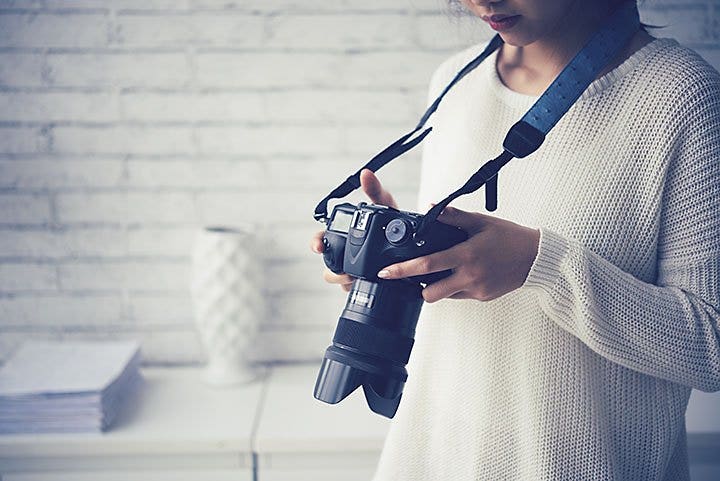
(531, 68)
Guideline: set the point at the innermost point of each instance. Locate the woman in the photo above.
(582, 312)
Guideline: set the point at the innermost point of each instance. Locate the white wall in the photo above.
(126, 125)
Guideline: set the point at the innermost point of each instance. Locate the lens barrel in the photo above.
(372, 344)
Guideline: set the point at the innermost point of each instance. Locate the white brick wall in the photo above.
(125, 125)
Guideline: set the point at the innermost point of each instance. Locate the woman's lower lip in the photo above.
(504, 24)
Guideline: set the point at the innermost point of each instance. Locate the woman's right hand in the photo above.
(377, 194)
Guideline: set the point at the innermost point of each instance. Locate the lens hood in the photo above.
(336, 380)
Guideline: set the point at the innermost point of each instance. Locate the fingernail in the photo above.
(383, 274)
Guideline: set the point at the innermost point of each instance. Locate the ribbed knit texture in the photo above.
(583, 373)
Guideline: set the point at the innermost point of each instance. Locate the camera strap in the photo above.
(399, 147)
(528, 134)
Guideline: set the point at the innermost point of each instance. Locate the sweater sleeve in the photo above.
(669, 329)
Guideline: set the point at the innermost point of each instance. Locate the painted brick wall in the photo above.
(124, 126)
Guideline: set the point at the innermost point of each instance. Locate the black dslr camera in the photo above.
(375, 332)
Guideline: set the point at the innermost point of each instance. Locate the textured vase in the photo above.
(227, 300)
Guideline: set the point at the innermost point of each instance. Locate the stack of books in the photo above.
(63, 386)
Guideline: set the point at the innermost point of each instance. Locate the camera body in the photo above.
(360, 240)
(376, 329)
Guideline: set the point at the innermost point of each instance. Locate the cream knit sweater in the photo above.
(583, 373)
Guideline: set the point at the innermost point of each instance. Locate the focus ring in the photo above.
(373, 341)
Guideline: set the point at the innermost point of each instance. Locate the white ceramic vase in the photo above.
(227, 300)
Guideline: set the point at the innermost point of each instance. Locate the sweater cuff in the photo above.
(546, 270)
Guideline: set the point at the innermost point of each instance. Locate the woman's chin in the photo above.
(516, 39)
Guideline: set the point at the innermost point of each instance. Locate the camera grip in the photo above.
(334, 251)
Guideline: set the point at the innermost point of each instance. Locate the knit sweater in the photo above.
(584, 372)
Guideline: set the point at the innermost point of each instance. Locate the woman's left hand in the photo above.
(494, 260)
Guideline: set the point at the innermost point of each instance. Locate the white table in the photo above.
(301, 439)
(178, 429)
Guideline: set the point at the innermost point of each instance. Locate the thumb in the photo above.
(470, 222)
(374, 190)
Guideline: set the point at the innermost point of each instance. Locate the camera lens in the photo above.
(396, 231)
(372, 344)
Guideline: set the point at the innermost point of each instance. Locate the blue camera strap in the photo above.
(527, 135)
